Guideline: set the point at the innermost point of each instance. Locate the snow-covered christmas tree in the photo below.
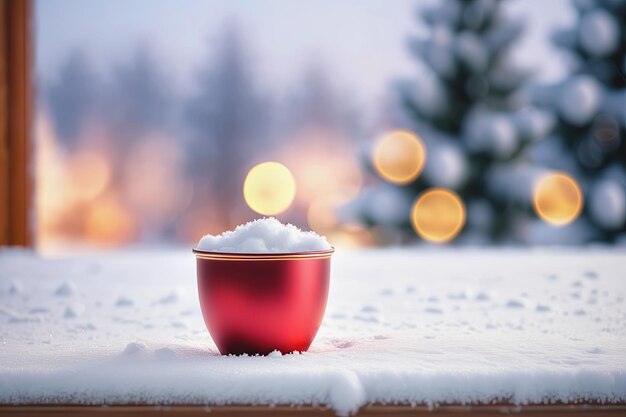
(466, 105)
(590, 140)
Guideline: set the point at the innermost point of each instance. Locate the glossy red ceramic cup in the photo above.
(257, 303)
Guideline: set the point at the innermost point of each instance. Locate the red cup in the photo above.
(257, 303)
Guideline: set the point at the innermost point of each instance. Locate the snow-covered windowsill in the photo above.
(402, 326)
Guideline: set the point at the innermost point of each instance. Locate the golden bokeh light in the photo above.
(557, 199)
(399, 157)
(438, 215)
(269, 188)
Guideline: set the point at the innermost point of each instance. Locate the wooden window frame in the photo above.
(16, 98)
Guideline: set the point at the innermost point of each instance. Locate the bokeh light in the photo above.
(438, 215)
(557, 199)
(269, 188)
(399, 157)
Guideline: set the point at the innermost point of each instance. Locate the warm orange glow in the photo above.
(154, 183)
(321, 215)
(438, 215)
(269, 188)
(328, 175)
(108, 222)
(88, 174)
(557, 199)
(100, 192)
(399, 157)
(351, 235)
(324, 164)
(49, 179)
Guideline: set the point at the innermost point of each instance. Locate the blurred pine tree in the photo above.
(590, 140)
(467, 105)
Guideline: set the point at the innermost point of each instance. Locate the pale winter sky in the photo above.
(360, 43)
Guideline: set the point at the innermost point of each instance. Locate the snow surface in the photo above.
(267, 235)
(402, 326)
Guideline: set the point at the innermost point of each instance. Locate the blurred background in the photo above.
(393, 123)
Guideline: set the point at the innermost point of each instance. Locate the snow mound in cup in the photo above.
(266, 235)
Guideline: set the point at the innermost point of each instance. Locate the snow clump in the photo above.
(266, 235)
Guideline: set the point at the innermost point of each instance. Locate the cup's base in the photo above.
(236, 346)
